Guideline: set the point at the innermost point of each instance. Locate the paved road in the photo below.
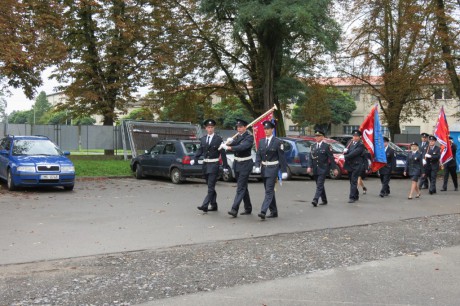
(116, 215)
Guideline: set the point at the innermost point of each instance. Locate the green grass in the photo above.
(100, 166)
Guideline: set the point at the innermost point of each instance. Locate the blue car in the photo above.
(296, 151)
(34, 161)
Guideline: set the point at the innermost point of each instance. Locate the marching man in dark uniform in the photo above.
(423, 184)
(385, 171)
(209, 149)
(242, 165)
(451, 167)
(432, 156)
(353, 154)
(319, 163)
(270, 157)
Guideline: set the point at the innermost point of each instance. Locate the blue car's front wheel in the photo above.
(10, 182)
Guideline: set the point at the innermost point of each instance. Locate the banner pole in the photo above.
(259, 118)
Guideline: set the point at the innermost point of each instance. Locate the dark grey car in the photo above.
(169, 158)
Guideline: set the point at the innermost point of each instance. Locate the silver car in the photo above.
(230, 175)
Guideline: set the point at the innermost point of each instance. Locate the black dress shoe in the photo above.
(444, 189)
(245, 213)
(273, 215)
(233, 213)
(381, 195)
(262, 216)
(323, 203)
(314, 202)
(351, 201)
(203, 208)
(213, 208)
(431, 192)
(456, 189)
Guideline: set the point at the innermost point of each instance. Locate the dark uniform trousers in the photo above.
(242, 147)
(271, 154)
(211, 169)
(385, 172)
(451, 168)
(432, 167)
(320, 161)
(353, 164)
(423, 183)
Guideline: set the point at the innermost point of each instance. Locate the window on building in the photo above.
(348, 129)
(442, 94)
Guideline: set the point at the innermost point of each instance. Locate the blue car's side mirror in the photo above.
(66, 153)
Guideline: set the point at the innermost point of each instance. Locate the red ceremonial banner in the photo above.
(442, 134)
(258, 129)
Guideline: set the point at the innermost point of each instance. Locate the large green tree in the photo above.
(256, 49)
(396, 40)
(40, 108)
(323, 106)
(29, 41)
(108, 42)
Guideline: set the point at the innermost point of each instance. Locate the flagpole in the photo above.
(259, 118)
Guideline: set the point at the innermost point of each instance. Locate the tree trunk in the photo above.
(446, 45)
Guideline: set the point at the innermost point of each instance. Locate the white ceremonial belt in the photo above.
(240, 159)
(270, 163)
(211, 160)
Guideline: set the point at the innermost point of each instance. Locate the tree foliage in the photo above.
(108, 44)
(142, 113)
(248, 47)
(29, 41)
(396, 39)
(40, 108)
(322, 106)
(20, 117)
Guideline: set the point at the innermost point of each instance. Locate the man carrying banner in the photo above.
(320, 161)
(451, 168)
(385, 171)
(353, 154)
(432, 156)
(242, 147)
(209, 149)
(269, 160)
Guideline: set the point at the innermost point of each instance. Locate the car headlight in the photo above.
(67, 169)
(26, 168)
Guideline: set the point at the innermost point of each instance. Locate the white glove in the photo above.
(229, 140)
(345, 150)
(424, 162)
(256, 170)
(192, 162)
(223, 146)
(226, 170)
(427, 155)
(284, 176)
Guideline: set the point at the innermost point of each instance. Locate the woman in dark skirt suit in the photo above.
(414, 169)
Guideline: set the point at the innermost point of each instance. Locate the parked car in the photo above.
(296, 151)
(337, 151)
(34, 161)
(230, 175)
(404, 146)
(401, 159)
(169, 158)
(343, 139)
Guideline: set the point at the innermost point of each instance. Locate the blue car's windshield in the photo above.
(35, 147)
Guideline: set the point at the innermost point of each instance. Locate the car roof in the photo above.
(28, 137)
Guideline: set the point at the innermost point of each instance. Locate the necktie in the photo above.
(354, 142)
(209, 140)
(266, 143)
(317, 145)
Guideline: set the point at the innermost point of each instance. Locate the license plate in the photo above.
(49, 177)
(400, 163)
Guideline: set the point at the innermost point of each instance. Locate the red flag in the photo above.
(442, 134)
(258, 128)
(373, 139)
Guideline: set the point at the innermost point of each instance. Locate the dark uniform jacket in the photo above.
(390, 154)
(423, 147)
(242, 147)
(211, 151)
(274, 152)
(354, 156)
(321, 159)
(433, 161)
(414, 164)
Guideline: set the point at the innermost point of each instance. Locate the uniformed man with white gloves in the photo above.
(269, 160)
(211, 151)
(242, 165)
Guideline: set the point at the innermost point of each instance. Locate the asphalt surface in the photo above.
(125, 241)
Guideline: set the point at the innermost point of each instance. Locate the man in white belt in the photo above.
(269, 160)
(243, 163)
(211, 151)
